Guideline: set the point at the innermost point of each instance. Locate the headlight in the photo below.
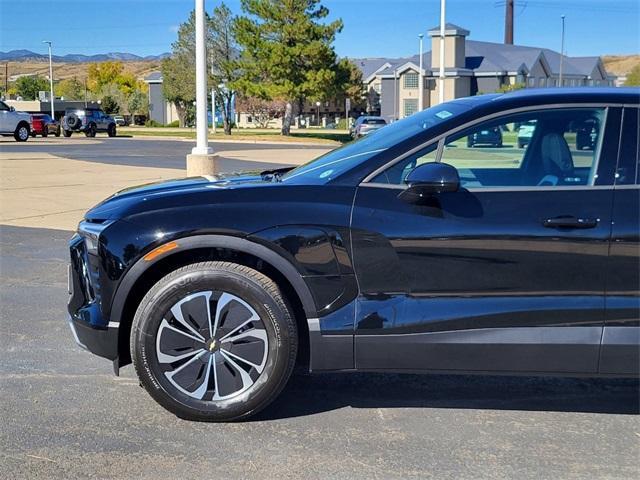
(91, 233)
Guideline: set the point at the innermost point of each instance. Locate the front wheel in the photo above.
(45, 133)
(111, 131)
(90, 131)
(214, 341)
(22, 133)
(58, 132)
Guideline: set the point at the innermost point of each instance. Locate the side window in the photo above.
(543, 148)
(3, 106)
(398, 172)
(628, 171)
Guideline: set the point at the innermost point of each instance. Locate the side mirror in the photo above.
(429, 179)
(12, 109)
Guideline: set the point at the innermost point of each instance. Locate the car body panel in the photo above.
(471, 281)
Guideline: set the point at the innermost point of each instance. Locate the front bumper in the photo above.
(101, 342)
(90, 330)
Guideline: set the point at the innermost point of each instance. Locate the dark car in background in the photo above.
(43, 124)
(491, 137)
(367, 124)
(89, 121)
(406, 251)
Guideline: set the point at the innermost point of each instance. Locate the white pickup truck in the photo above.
(14, 123)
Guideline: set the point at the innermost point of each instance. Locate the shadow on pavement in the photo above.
(310, 394)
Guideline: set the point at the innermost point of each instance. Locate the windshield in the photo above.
(333, 164)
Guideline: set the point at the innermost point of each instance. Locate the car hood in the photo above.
(114, 206)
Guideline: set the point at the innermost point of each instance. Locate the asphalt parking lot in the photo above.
(64, 415)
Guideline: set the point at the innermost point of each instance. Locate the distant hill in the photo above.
(620, 65)
(29, 56)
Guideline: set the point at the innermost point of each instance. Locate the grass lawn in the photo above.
(329, 137)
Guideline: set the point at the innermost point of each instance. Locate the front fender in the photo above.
(294, 277)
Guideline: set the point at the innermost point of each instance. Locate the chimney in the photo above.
(508, 23)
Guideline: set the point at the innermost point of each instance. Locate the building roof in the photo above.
(154, 77)
(449, 29)
(491, 58)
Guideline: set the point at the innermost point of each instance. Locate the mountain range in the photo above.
(28, 55)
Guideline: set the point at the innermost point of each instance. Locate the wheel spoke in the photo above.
(224, 303)
(196, 307)
(244, 376)
(258, 367)
(254, 332)
(175, 340)
(189, 379)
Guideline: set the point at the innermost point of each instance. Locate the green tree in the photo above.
(29, 86)
(633, 77)
(70, 89)
(288, 53)
(223, 52)
(179, 71)
(110, 105)
(102, 74)
(137, 103)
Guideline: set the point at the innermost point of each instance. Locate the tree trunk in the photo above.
(226, 114)
(286, 120)
(182, 114)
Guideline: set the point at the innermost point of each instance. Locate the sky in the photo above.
(372, 28)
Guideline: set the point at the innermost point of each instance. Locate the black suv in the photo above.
(406, 250)
(89, 121)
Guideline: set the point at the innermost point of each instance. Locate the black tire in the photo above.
(22, 132)
(111, 131)
(202, 284)
(91, 130)
(45, 133)
(67, 133)
(58, 132)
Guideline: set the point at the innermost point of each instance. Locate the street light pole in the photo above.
(561, 51)
(202, 143)
(318, 106)
(421, 81)
(53, 115)
(442, 23)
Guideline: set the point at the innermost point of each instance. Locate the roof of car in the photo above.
(578, 94)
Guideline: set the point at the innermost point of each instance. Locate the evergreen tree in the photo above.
(287, 53)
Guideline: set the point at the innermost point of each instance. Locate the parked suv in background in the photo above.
(120, 121)
(365, 125)
(14, 123)
(89, 121)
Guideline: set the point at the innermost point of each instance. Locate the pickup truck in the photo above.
(14, 123)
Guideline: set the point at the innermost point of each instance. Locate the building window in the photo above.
(531, 82)
(542, 81)
(410, 80)
(409, 106)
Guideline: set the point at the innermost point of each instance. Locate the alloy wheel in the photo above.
(211, 345)
(23, 133)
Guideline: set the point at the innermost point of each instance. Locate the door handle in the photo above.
(570, 222)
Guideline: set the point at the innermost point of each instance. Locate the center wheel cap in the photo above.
(212, 345)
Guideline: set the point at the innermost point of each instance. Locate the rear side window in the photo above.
(628, 171)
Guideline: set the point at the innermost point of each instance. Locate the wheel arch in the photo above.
(143, 274)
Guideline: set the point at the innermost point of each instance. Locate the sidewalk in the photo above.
(45, 190)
